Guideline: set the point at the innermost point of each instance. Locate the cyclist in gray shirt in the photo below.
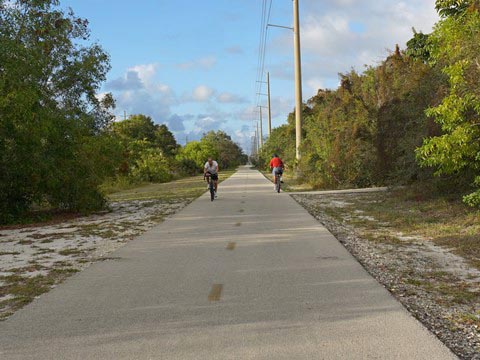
(211, 169)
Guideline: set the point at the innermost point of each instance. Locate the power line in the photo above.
(263, 44)
(265, 24)
(262, 47)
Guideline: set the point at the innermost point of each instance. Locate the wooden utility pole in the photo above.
(269, 106)
(258, 139)
(260, 133)
(298, 79)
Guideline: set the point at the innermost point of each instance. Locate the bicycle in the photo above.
(211, 187)
(278, 182)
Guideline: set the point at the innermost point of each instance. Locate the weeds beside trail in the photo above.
(424, 249)
(187, 188)
(36, 257)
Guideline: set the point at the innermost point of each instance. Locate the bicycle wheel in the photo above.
(212, 190)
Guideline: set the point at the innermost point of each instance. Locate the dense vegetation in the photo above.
(150, 153)
(58, 141)
(414, 116)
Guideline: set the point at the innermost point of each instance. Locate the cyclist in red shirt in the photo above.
(276, 165)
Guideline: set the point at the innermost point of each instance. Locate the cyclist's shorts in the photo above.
(277, 170)
(214, 176)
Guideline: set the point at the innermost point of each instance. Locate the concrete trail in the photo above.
(249, 276)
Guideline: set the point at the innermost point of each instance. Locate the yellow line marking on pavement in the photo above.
(231, 246)
(215, 293)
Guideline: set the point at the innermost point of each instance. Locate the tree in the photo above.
(418, 47)
(365, 132)
(448, 8)
(456, 45)
(136, 127)
(228, 153)
(281, 142)
(147, 146)
(218, 145)
(198, 152)
(165, 140)
(152, 165)
(51, 120)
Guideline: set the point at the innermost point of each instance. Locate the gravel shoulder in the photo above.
(404, 245)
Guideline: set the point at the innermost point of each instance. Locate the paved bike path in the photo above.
(249, 276)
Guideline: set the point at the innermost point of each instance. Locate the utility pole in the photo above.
(298, 79)
(124, 115)
(260, 134)
(252, 144)
(269, 106)
(258, 138)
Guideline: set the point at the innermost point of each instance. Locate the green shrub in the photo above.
(152, 166)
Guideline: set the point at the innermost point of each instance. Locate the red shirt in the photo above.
(276, 162)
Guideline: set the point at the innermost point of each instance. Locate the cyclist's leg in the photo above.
(215, 181)
(211, 186)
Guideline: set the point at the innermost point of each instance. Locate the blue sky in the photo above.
(193, 64)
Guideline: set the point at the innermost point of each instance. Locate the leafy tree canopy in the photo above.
(447, 8)
(142, 127)
(51, 120)
(418, 46)
(456, 45)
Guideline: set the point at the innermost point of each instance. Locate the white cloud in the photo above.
(130, 81)
(315, 83)
(280, 107)
(340, 34)
(100, 96)
(145, 72)
(243, 136)
(247, 113)
(139, 77)
(201, 93)
(138, 91)
(207, 123)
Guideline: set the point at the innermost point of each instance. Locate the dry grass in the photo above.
(188, 188)
(447, 222)
(444, 220)
(20, 291)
